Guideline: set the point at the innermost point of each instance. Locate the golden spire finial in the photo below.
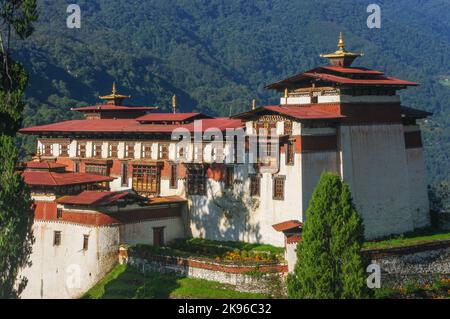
(174, 103)
(114, 91)
(341, 42)
(253, 104)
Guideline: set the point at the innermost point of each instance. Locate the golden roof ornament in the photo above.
(174, 103)
(341, 57)
(114, 98)
(254, 104)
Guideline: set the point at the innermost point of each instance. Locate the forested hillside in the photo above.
(217, 55)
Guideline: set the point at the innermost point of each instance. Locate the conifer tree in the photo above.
(329, 261)
(16, 211)
(16, 219)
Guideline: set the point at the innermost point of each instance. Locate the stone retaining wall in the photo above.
(421, 263)
(244, 277)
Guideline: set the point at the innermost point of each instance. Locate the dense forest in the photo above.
(217, 55)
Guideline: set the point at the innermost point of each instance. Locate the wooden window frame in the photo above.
(59, 213)
(288, 127)
(124, 174)
(290, 153)
(85, 242)
(47, 149)
(196, 180)
(81, 150)
(129, 150)
(96, 146)
(146, 150)
(64, 150)
(163, 151)
(279, 182)
(113, 150)
(173, 182)
(255, 190)
(57, 238)
(146, 179)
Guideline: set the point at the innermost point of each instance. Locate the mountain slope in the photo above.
(217, 55)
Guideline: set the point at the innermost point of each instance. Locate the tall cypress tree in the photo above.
(16, 211)
(16, 219)
(329, 261)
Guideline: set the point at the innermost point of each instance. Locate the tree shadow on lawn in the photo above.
(132, 284)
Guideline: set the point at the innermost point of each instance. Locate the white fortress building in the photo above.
(115, 177)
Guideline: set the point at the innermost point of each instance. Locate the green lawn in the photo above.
(125, 282)
(417, 237)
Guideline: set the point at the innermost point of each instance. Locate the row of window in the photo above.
(163, 151)
(57, 240)
(196, 182)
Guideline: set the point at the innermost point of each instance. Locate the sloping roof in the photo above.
(303, 112)
(171, 117)
(414, 113)
(110, 107)
(341, 75)
(287, 225)
(94, 198)
(130, 126)
(43, 165)
(44, 178)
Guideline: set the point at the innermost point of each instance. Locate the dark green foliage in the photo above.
(16, 218)
(217, 55)
(329, 260)
(13, 81)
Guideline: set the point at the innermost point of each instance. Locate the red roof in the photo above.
(44, 165)
(95, 198)
(110, 107)
(301, 112)
(341, 75)
(171, 117)
(44, 178)
(293, 239)
(287, 225)
(130, 126)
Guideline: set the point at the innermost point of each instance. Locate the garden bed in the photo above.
(220, 252)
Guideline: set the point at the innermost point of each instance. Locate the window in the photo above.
(158, 236)
(146, 179)
(146, 151)
(173, 176)
(124, 174)
(278, 188)
(255, 185)
(163, 151)
(112, 150)
(48, 149)
(181, 153)
(81, 150)
(77, 167)
(85, 242)
(56, 238)
(314, 99)
(288, 128)
(290, 154)
(196, 180)
(97, 169)
(63, 150)
(198, 153)
(229, 177)
(59, 212)
(97, 150)
(129, 150)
